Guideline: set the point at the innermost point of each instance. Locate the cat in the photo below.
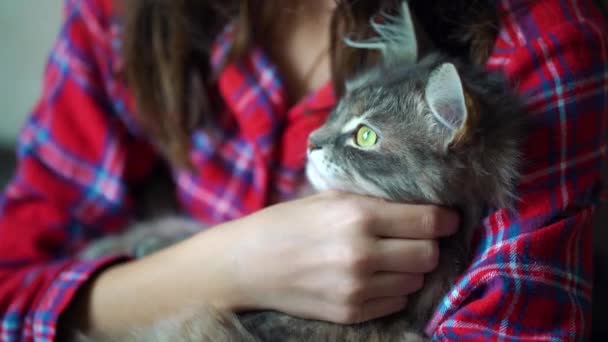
(429, 130)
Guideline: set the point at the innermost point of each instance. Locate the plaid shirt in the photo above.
(81, 151)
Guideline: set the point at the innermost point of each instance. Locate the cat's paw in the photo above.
(108, 246)
(143, 238)
(153, 243)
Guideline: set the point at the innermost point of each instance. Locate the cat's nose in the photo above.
(312, 145)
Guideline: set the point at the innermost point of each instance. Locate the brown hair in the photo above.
(167, 42)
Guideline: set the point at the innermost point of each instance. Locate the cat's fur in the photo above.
(448, 134)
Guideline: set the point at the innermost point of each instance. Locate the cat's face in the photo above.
(383, 139)
(414, 134)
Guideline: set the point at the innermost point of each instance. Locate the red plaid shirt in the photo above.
(81, 152)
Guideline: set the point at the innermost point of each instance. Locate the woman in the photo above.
(225, 93)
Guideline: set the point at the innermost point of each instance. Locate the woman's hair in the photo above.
(167, 50)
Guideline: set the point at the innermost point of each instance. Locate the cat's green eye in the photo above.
(366, 137)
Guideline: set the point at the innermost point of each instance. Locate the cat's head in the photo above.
(432, 132)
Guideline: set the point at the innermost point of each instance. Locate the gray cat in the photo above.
(430, 131)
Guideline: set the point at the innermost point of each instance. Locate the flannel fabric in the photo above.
(82, 151)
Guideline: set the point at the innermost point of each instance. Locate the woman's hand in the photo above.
(334, 257)
(337, 257)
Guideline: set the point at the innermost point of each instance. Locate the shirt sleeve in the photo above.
(72, 179)
(531, 278)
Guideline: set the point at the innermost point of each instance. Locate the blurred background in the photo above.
(27, 31)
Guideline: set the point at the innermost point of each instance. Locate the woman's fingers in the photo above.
(351, 258)
(357, 290)
(409, 221)
(409, 256)
(390, 284)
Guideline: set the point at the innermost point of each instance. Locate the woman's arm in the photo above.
(136, 293)
(532, 276)
(329, 257)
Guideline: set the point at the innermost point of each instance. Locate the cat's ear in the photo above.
(447, 101)
(396, 38)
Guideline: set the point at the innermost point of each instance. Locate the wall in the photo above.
(27, 31)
